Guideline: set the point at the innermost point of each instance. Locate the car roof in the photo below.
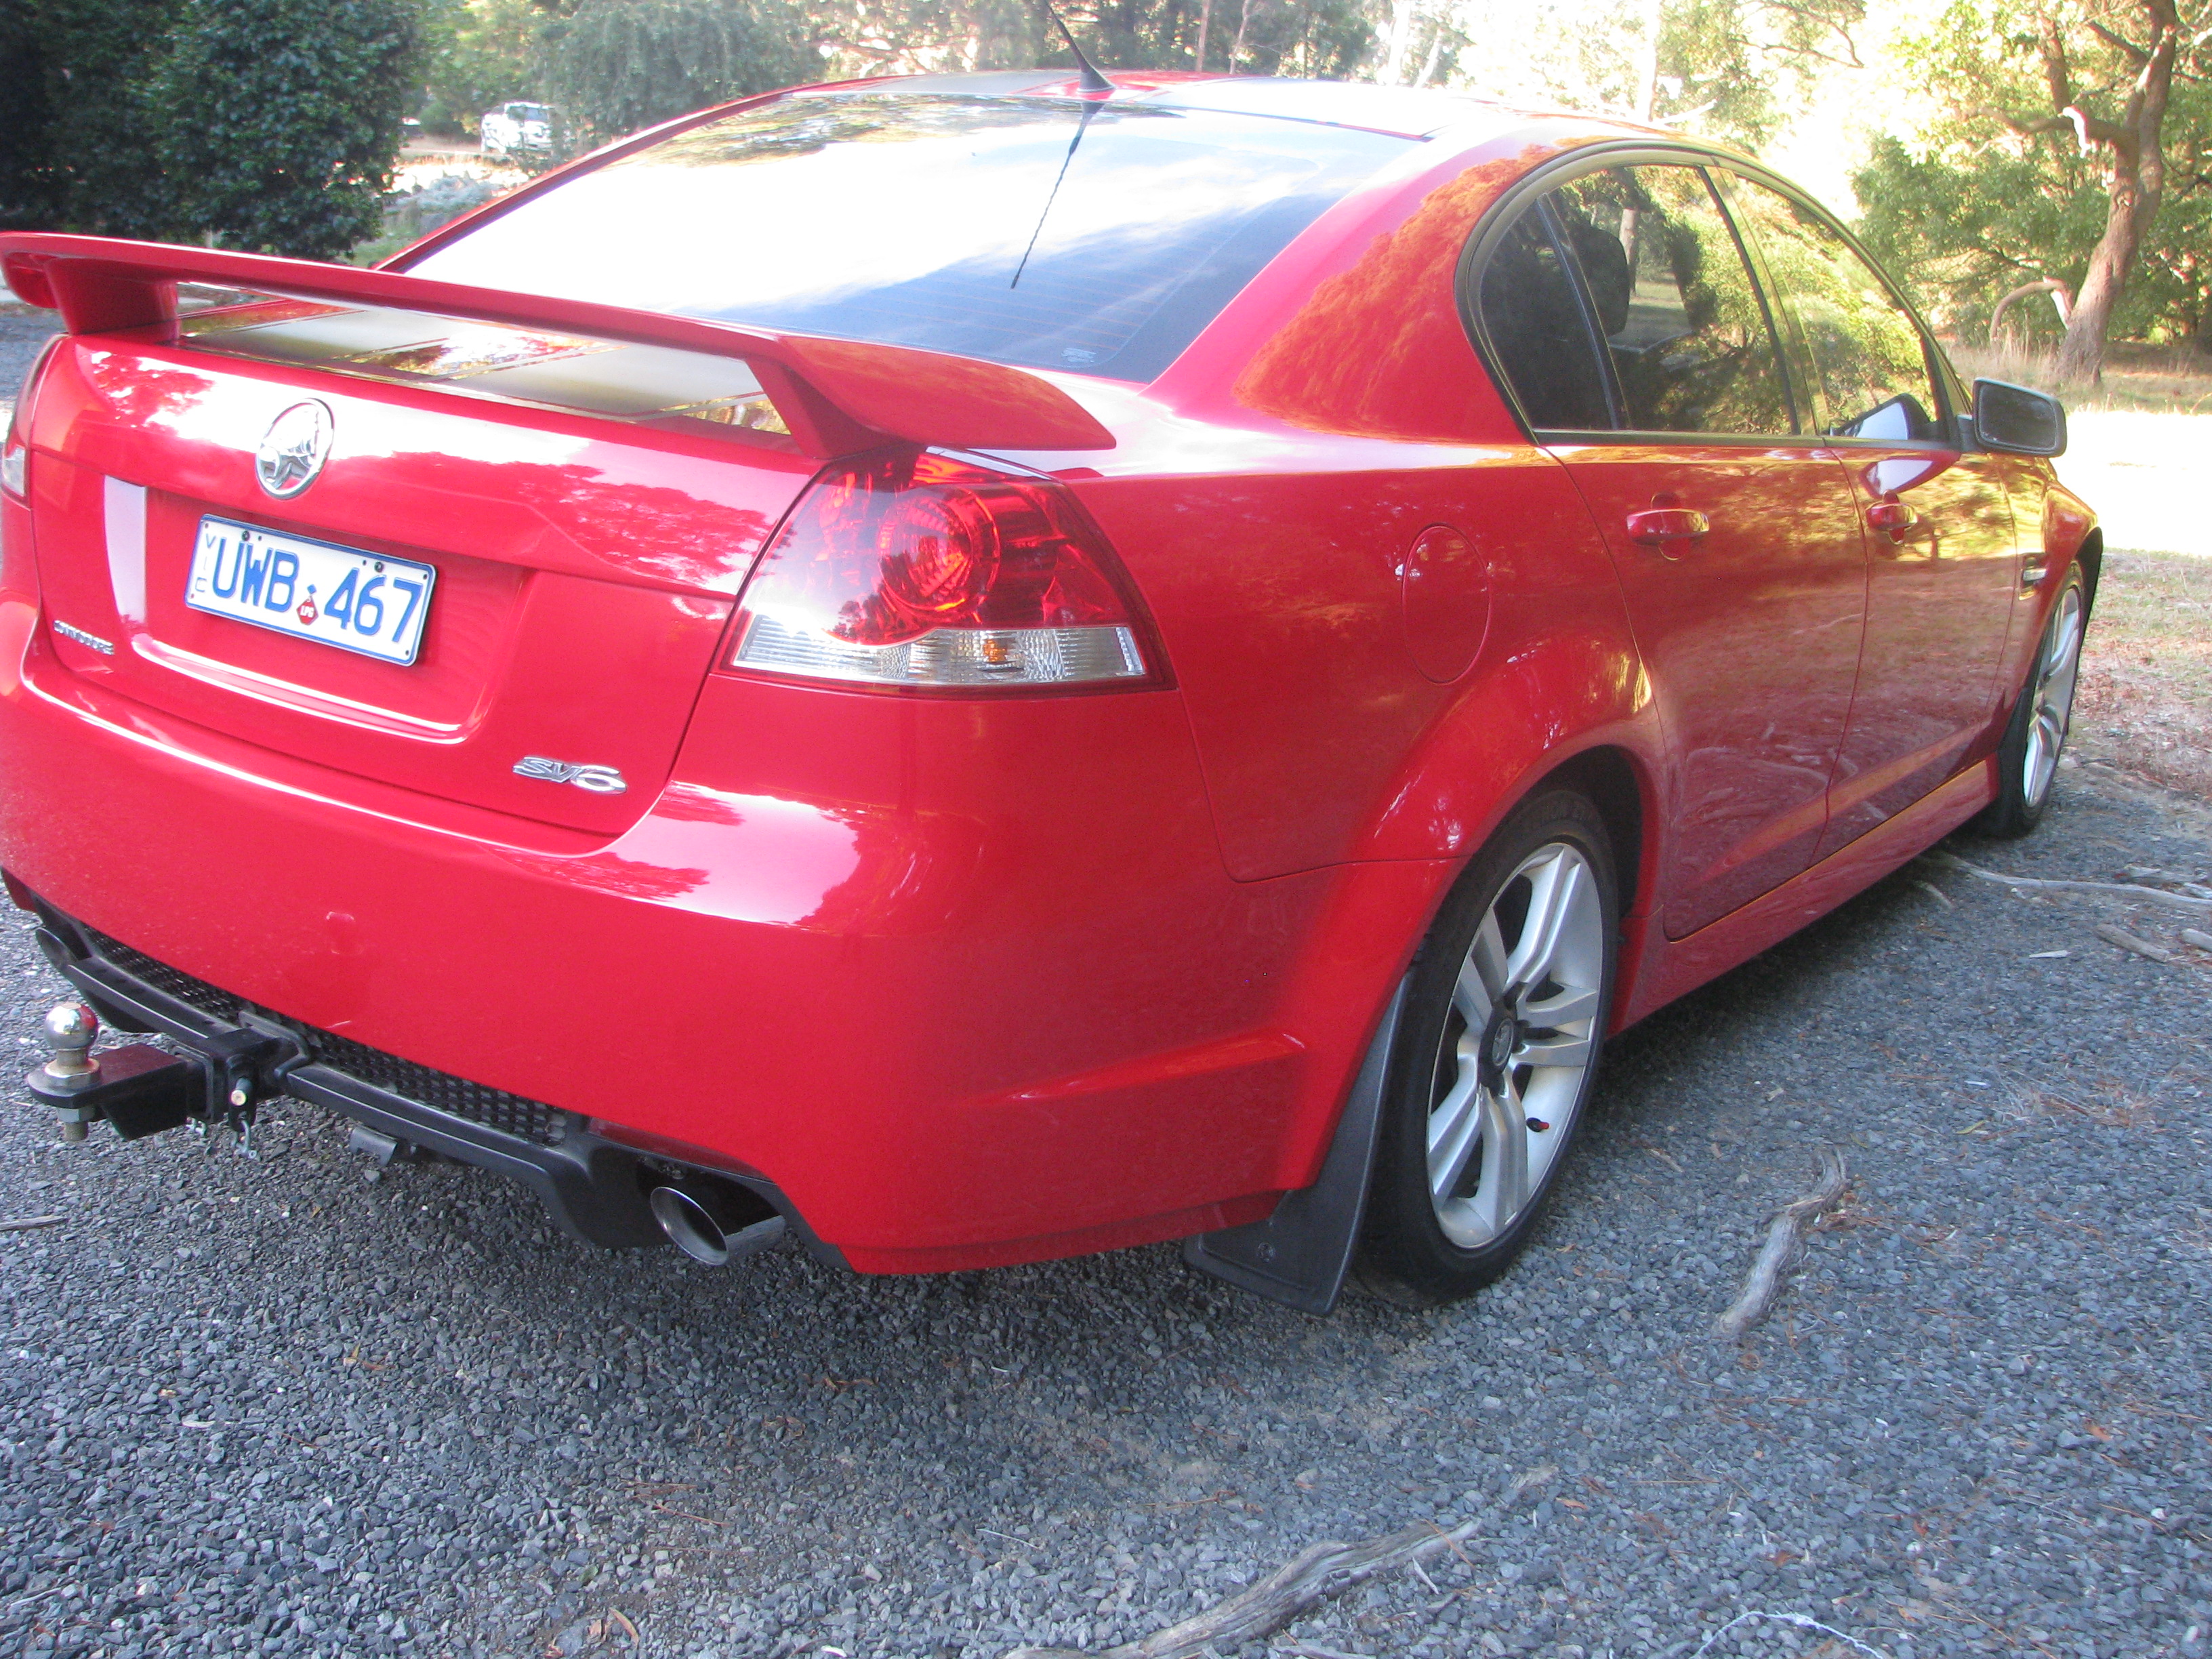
(1407, 111)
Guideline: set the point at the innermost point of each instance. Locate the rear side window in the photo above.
(1690, 346)
(1868, 359)
(1539, 336)
(1049, 233)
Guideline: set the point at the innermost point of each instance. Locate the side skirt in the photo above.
(1670, 969)
(1298, 1255)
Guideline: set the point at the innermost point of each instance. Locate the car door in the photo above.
(1736, 534)
(1944, 565)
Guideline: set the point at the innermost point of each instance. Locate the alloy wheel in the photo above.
(1516, 1046)
(2057, 669)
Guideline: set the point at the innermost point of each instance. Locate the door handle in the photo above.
(1892, 515)
(1658, 525)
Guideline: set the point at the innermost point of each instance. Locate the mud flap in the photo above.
(1298, 1255)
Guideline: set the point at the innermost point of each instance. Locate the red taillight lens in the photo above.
(922, 570)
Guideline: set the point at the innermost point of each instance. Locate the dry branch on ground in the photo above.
(1791, 1222)
(1268, 1606)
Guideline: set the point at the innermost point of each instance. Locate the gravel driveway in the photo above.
(286, 1405)
(23, 331)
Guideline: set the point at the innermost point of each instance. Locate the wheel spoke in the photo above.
(1565, 1007)
(1486, 956)
(1473, 999)
(1454, 1128)
(1504, 1186)
(2066, 644)
(1564, 1050)
(1553, 891)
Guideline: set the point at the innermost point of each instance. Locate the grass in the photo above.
(2161, 378)
(2146, 693)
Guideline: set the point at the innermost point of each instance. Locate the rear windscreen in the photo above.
(1049, 233)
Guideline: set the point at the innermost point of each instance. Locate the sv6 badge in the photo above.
(598, 780)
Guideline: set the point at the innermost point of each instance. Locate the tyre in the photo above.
(1497, 1049)
(2027, 759)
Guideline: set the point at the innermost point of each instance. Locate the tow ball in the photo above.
(142, 1090)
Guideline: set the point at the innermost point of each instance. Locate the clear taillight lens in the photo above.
(923, 570)
(15, 464)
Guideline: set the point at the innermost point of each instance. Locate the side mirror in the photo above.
(2018, 419)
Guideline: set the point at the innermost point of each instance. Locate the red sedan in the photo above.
(984, 668)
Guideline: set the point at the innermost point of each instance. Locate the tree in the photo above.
(479, 53)
(622, 65)
(279, 119)
(74, 139)
(2053, 158)
(903, 37)
(1326, 38)
(1728, 68)
(259, 123)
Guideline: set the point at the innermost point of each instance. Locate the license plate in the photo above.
(360, 601)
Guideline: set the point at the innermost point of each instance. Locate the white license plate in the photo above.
(311, 590)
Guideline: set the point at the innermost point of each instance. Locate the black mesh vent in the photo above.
(442, 1091)
(197, 992)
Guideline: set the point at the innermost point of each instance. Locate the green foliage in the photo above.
(74, 139)
(279, 119)
(1326, 38)
(269, 125)
(1975, 207)
(1730, 69)
(622, 65)
(479, 54)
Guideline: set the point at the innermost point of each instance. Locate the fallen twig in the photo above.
(1935, 893)
(2141, 947)
(2172, 878)
(1797, 1619)
(2144, 895)
(24, 1223)
(1791, 1222)
(2202, 940)
(1268, 1606)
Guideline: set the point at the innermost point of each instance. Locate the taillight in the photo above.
(15, 463)
(922, 570)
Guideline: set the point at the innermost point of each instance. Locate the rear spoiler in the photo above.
(835, 396)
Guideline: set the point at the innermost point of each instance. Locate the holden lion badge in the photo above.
(292, 451)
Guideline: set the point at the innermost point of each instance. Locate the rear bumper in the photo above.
(964, 986)
(591, 1185)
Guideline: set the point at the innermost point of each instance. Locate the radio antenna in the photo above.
(1088, 76)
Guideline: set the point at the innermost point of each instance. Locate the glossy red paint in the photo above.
(1751, 734)
(1941, 587)
(977, 979)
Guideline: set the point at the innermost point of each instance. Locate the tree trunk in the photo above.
(2081, 354)
(2136, 143)
(1204, 19)
(2203, 336)
(1401, 26)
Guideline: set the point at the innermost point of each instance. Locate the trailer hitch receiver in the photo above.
(142, 1089)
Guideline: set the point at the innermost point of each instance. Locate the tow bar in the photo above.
(143, 1090)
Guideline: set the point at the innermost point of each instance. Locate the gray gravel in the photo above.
(23, 331)
(283, 1406)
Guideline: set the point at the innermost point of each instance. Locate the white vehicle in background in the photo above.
(514, 128)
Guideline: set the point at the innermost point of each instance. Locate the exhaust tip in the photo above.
(715, 1223)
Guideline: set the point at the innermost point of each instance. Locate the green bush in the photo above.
(265, 124)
